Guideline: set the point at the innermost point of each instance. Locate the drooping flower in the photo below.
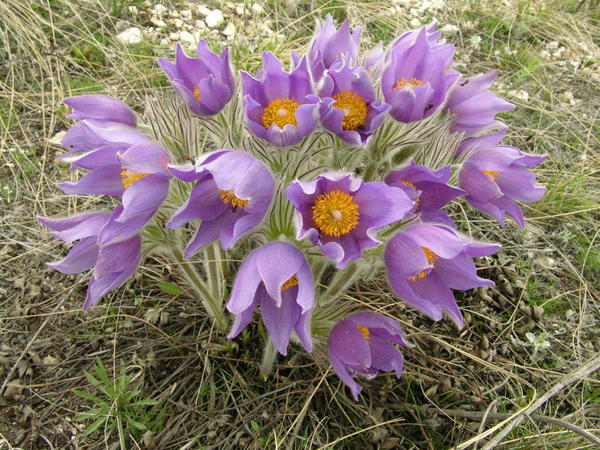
(416, 80)
(279, 106)
(231, 196)
(428, 189)
(329, 46)
(112, 264)
(343, 214)
(100, 107)
(277, 277)
(205, 83)
(363, 343)
(474, 106)
(348, 104)
(495, 177)
(425, 261)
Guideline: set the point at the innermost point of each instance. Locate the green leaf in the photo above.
(146, 402)
(170, 288)
(136, 424)
(255, 426)
(91, 397)
(93, 427)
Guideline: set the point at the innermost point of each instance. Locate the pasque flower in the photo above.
(348, 104)
(112, 264)
(205, 83)
(277, 278)
(363, 343)
(330, 45)
(279, 106)
(474, 106)
(495, 177)
(425, 261)
(429, 190)
(231, 196)
(342, 213)
(416, 79)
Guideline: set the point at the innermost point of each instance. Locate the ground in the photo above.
(146, 370)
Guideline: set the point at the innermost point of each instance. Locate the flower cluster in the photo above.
(332, 164)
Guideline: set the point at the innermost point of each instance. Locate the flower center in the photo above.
(413, 82)
(493, 174)
(128, 177)
(281, 112)
(431, 258)
(418, 200)
(293, 281)
(364, 331)
(335, 213)
(354, 108)
(197, 93)
(229, 197)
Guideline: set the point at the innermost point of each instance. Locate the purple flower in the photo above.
(100, 107)
(425, 261)
(417, 78)
(329, 45)
(277, 277)
(205, 83)
(343, 214)
(474, 106)
(428, 189)
(363, 343)
(348, 106)
(113, 264)
(279, 106)
(495, 177)
(231, 196)
(480, 142)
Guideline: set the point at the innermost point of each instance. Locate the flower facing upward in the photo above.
(277, 278)
(231, 196)
(474, 106)
(495, 177)
(428, 189)
(342, 214)
(205, 83)
(329, 46)
(425, 261)
(279, 106)
(416, 78)
(348, 106)
(363, 343)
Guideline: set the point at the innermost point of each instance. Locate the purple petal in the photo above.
(95, 106)
(81, 257)
(144, 196)
(104, 180)
(279, 319)
(146, 158)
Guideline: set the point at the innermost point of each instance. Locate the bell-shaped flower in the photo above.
(343, 214)
(416, 79)
(348, 104)
(425, 261)
(231, 196)
(205, 83)
(474, 106)
(330, 45)
(277, 278)
(363, 343)
(495, 177)
(429, 190)
(279, 106)
(112, 264)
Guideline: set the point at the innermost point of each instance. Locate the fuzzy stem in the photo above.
(212, 265)
(211, 304)
(268, 359)
(341, 280)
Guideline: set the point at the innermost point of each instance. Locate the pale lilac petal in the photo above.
(81, 257)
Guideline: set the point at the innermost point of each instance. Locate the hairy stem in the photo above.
(268, 359)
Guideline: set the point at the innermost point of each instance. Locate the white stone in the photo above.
(239, 10)
(202, 9)
(475, 41)
(131, 35)
(186, 14)
(200, 24)
(174, 36)
(214, 19)
(415, 23)
(449, 28)
(159, 9)
(158, 22)
(57, 138)
(229, 29)
(133, 10)
(257, 8)
(189, 27)
(187, 38)
(178, 23)
(164, 42)
(519, 95)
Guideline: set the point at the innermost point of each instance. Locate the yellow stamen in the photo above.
(413, 82)
(293, 281)
(129, 177)
(431, 258)
(197, 93)
(335, 213)
(493, 174)
(365, 331)
(281, 112)
(229, 197)
(354, 108)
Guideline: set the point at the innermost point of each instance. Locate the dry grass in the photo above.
(460, 388)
